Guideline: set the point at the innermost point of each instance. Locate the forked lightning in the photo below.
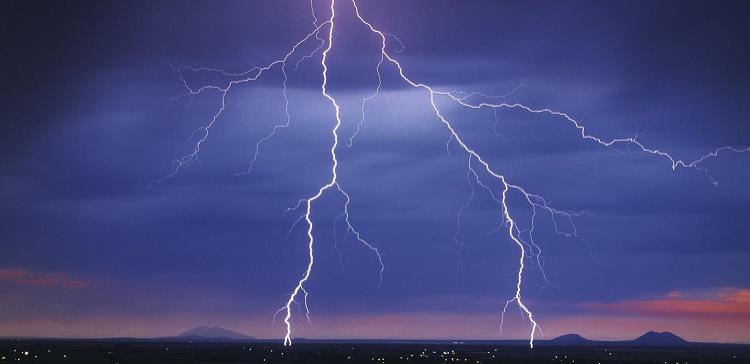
(479, 172)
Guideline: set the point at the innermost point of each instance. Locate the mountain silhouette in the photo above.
(205, 332)
(569, 339)
(653, 338)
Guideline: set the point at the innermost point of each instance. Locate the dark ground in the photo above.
(145, 352)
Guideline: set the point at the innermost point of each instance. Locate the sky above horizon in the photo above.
(94, 115)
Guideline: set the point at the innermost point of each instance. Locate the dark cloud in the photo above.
(94, 117)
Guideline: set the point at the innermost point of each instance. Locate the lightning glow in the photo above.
(479, 173)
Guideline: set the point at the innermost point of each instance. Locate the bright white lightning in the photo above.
(478, 169)
(246, 77)
(332, 183)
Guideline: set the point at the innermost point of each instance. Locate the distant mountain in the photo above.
(569, 339)
(653, 338)
(650, 338)
(213, 333)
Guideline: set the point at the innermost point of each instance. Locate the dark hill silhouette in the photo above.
(650, 338)
(569, 339)
(213, 333)
(653, 338)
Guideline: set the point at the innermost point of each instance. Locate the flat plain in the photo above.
(147, 352)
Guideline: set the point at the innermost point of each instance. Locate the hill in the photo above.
(569, 339)
(653, 338)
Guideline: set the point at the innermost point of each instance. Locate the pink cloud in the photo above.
(723, 302)
(25, 277)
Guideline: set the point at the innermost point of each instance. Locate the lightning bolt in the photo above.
(479, 172)
(332, 183)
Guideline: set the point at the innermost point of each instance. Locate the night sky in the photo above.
(92, 115)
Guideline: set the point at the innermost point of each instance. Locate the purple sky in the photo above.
(93, 117)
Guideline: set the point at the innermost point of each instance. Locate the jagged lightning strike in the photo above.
(479, 171)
